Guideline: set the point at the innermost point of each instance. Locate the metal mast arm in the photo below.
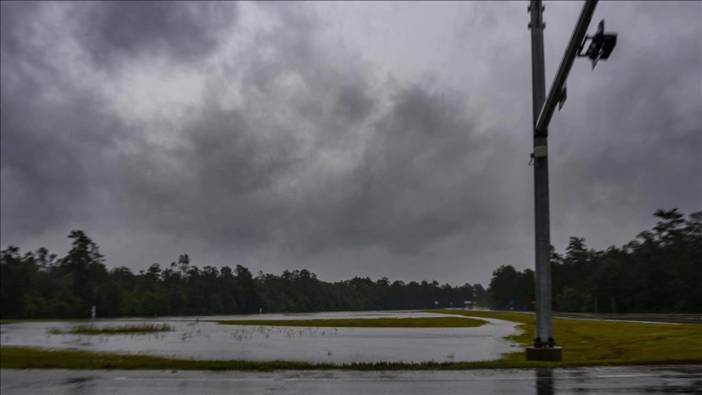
(554, 94)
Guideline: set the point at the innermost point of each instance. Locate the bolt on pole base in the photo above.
(553, 354)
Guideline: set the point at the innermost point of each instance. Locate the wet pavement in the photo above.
(196, 338)
(602, 380)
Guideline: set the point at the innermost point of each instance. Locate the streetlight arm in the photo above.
(554, 95)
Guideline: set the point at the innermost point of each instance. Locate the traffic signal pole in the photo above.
(540, 162)
(544, 347)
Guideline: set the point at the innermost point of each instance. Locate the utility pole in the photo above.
(542, 244)
(601, 46)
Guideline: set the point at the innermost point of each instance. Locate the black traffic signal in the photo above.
(601, 45)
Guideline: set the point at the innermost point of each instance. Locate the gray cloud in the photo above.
(52, 169)
(117, 30)
(249, 134)
(631, 141)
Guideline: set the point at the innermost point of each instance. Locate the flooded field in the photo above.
(198, 338)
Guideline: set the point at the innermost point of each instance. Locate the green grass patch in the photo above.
(597, 342)
(418, 322)
(12, 357)
(112, 330)
(3, 322)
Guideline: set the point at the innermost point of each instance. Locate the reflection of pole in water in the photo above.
(544, 381)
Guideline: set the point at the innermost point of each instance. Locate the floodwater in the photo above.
(196, 338)
(603, 380)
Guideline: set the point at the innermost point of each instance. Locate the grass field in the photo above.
(419, 322)
(112, 330)
(606, 342)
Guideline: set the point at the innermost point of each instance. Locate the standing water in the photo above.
(201, 338)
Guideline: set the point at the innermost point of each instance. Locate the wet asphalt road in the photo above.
(604, 380)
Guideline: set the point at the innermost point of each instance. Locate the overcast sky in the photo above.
(370, 139)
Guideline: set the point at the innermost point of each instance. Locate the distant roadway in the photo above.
(673, 318)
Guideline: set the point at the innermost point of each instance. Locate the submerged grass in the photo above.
(600, 342)
(417, 322)
(112, 330)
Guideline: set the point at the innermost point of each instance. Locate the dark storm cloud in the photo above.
(252, 178)
(52, 158)
(117, 30)
(411, 187)
(53, 168)
(60, 158)
(231, 182)
(297, 152)
(13, 22)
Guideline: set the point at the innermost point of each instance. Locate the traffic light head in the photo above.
(601, 45)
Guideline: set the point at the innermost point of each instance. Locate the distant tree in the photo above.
(659, 271)
(510, 289)
(84, 265)
(481, 296)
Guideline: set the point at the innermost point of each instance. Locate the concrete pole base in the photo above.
(544, 354)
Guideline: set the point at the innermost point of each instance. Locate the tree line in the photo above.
(660, 271)
(40, 285)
